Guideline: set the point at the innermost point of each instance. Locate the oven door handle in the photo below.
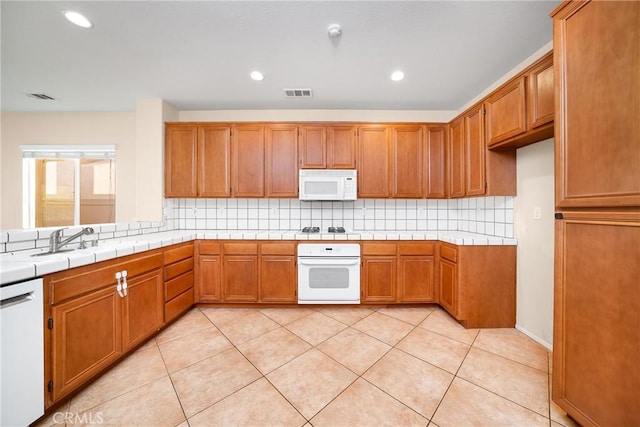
(328, 261)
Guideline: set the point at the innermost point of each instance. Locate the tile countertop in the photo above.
(21, 265)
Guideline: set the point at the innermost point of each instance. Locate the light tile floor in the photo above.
(399, 366)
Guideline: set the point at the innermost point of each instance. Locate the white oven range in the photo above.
(328, 273)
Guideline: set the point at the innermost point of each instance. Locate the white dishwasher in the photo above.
(21, 353)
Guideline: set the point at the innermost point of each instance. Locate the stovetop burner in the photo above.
(317, 230)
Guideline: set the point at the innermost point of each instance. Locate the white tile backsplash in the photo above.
(492, 216)
(472, 214)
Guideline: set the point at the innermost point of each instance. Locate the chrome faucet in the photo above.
(56, 242)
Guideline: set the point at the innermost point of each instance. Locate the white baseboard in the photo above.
(535, 338)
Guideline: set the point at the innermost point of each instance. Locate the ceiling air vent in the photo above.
(42, 96)
(298, 93)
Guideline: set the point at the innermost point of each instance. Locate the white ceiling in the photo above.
(198, 55)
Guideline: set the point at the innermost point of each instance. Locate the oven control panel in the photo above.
(328, 250)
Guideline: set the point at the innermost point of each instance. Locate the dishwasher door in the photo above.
(21, 353)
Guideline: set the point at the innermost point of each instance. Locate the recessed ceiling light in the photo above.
(77, 18)
(257, 75)
(396, 76)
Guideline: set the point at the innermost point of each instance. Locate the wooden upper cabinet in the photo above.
(407, 161)
(247, 154)
(282, 161)
(456, 158)
(214, 161)
(374, 161)
(341, 147)
(475, 179)
(180, 161)
(327, 147)
(313, 147)
(506, 112)
(597, 70)
(540, 93)
(521, 111)
(435, 161)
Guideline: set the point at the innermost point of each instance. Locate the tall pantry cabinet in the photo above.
(596, 374)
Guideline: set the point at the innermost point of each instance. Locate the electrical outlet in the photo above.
(274, 212)
(194, 211)
(221, 211)
(537, 212)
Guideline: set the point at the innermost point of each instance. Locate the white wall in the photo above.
(149, 156)
(62, 129)
(317, 116)
(535, 241)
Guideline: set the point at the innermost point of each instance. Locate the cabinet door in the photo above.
(209, 278)
(456, 159)
(597, 57)
(435, 160)
(282, 161)
(277, 278)
(86, 338)
(374, 164)
(180, 150)
(540, 94)
(247, 153)
(506, 112)
(448, 286)
(214, 161)
(313, 147)
(341, 147)
(142, 308)
(415, 279)
(596, 376)
(474, 151)
(379, 279)
(407, 168)
(240, 278)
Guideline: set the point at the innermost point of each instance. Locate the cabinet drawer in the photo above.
(447, 252)
(209, 248)
(176, 286)
(178, 252)
(240, 248)
(416, 248)
(179, 304)
(278, 249)
(178, 268)
(81, 280)
(378, 249)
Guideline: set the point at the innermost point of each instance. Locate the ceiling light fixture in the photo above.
(335, 31)
(256, 75)
(396, 76)
(77, 18)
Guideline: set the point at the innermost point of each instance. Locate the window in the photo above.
(68, 185)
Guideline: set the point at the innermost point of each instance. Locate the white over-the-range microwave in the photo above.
(328, 184)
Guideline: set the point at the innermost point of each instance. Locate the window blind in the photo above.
(68, 151)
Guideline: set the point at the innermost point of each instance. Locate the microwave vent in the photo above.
(298, 93)
(42, 96)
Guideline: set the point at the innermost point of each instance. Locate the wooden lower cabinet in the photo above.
(142, 309)
(278, 279)
(378, 279)
(448, 286)
(400, 272)
(243, 272)
(86, 338)
(477, 284)
(240, 278)
(596, 375)
(91, 325)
